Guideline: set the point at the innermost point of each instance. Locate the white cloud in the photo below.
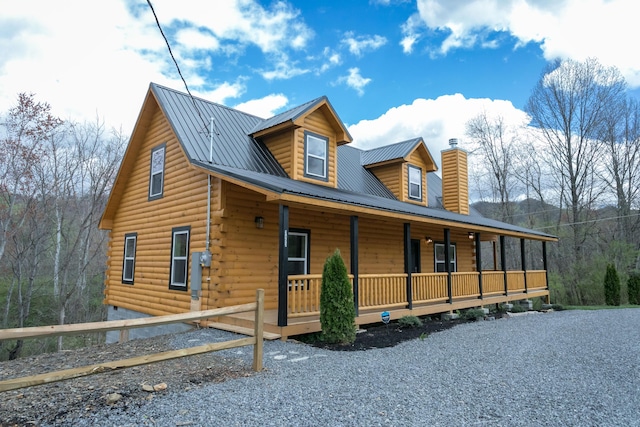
(355, 81)
(435, 120)
(223, 92)
(357, 45)
(100, 58)
(284, 69)
(331, 58)
(411, 32)
(265, 107)
(575, 29)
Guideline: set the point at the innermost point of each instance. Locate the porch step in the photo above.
(242, 330)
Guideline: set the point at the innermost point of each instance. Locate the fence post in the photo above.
(258, 331)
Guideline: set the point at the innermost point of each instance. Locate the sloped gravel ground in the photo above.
(571, 368)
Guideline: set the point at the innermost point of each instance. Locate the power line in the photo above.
(588, 222)
(177, 66)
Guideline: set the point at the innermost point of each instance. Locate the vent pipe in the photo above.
(453, 142)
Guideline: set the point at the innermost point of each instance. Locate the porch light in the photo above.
(428, 240)
(471, 235)
(259, 222)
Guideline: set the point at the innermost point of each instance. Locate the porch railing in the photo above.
(377, 291)
(465, 284)
(382, 290)
(492, 282)
(515, 281)
(536, 279)
(429, 287)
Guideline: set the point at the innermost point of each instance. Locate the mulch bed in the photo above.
(381, 335)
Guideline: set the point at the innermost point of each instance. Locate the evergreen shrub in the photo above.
(337, 312)
(611, 286)
(633, 287)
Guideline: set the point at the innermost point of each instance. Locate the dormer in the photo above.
(402, 168)
(304, 141)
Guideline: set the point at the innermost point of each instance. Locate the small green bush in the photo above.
(633, 287)
(611, 286)
(337, 312)
(473, 314)
(409, 322)
(517, 308)
(557, 307)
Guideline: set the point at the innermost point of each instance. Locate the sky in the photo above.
(392, 69)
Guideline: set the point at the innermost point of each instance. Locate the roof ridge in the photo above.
(217, 104)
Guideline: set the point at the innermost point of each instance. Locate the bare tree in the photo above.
(620, 139)
(568, 107)
(496, 142)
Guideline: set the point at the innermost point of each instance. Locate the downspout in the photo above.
(205, 257)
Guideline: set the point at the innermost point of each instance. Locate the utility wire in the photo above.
(588, 222)
(177, 66)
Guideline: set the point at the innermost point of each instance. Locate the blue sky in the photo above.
(393, 69)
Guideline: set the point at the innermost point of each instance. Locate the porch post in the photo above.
(447, 263)
(283, 255)
(524, 264)
(407, 262)
(479, 264)
(503, 264)
(544, 262)
(354, 260)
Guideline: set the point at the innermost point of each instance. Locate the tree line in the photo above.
(55, 178)
(578, 157)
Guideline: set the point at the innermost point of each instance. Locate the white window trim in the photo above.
(305, 251)
(324, 159)
(131, 258)
(153, 173)
(453, 261)
(419, 183)
(172, 283)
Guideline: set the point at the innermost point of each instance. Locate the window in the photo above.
(439, 255)
(129, 259)
(298, 245)
(156, 179)
(415, 183)
(316, 148)
(179, 258)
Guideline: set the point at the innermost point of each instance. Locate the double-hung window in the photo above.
(179, 258)
(415, 183)
(439, 257)
(298, 252)
(129, 261)
(156, 178)
(316, 149)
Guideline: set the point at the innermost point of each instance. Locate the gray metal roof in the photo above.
(289, 186)
(232, 145)
(353, 177)
(237, 155)
(399, 150)
(291, 114)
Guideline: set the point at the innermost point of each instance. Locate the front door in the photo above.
(415, 256)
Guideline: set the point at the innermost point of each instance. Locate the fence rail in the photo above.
(56, 330)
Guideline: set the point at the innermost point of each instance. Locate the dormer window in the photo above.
(156, 178)
(316, 149)
(415, 183)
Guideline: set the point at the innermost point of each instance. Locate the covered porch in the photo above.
(411, 291)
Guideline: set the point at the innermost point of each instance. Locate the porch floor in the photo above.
(244, 322)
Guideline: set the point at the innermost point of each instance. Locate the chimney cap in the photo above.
(453, 142)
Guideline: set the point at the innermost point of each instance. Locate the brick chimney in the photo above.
(455, 179)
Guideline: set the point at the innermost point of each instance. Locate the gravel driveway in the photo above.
(570, 368)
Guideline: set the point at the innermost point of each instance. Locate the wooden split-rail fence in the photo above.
(124, 325)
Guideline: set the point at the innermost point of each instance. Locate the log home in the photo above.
(211, 203)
